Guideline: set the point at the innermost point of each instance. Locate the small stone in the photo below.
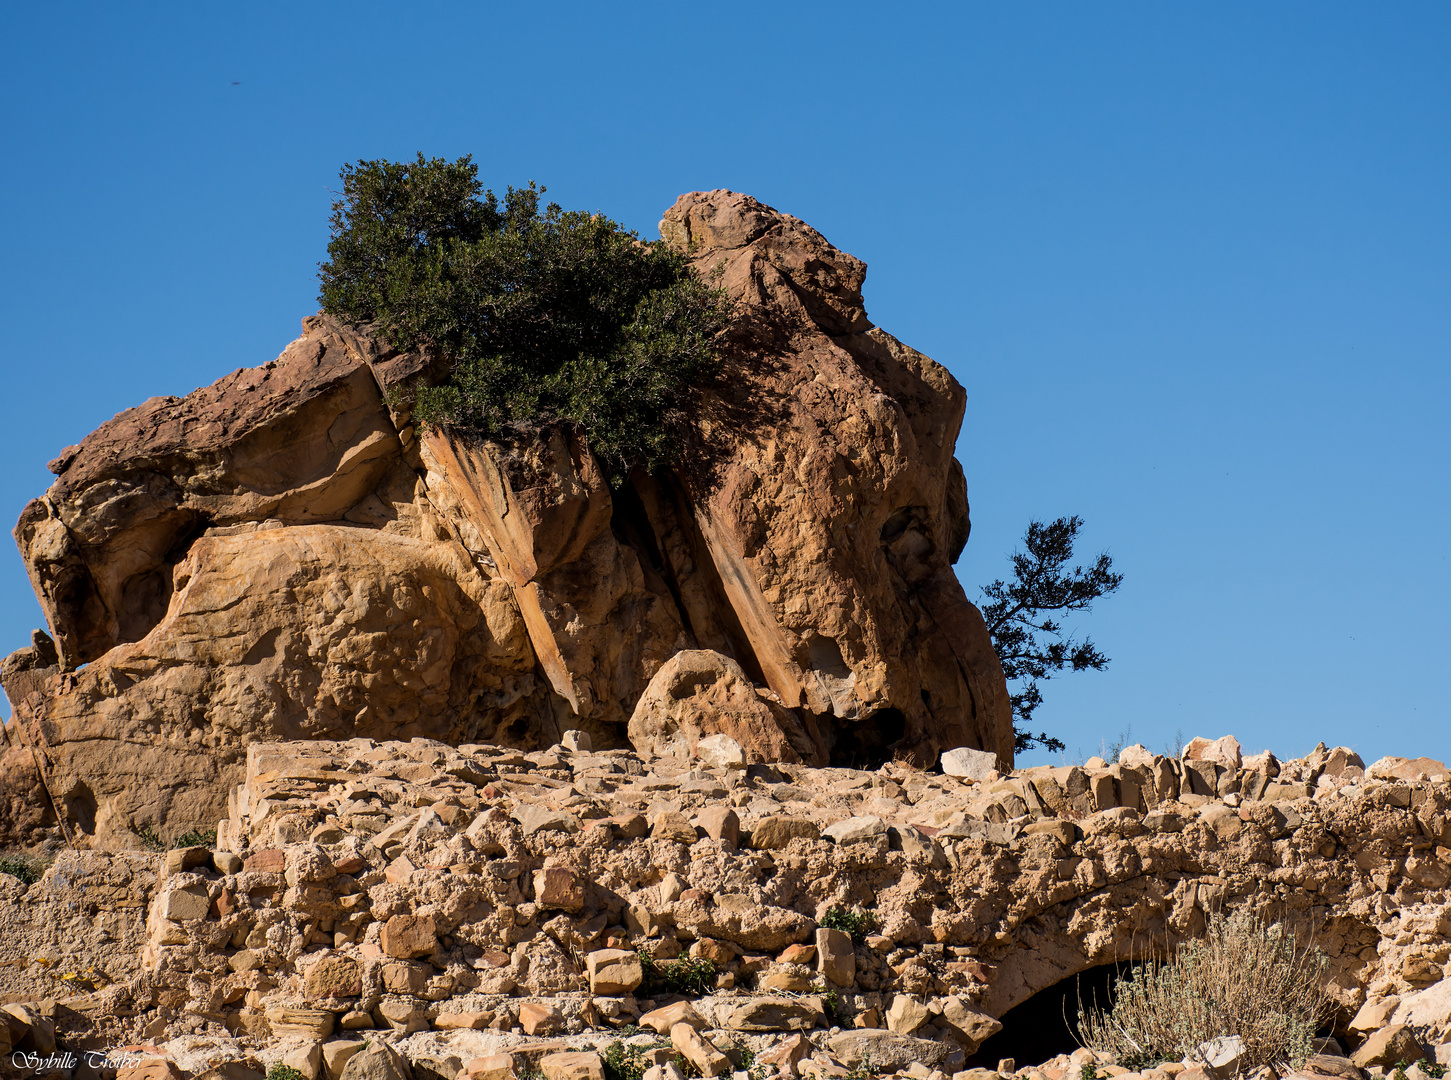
(775, 1014)
(785, 982)
(407, 936)
(185, 905)
(774, 833)
(336, 1053)
(671, 825)
(681, 1012)
(1387, 1046)
(224, 862)
(556, 888)
(577, 740)
(906, 1014)
(333, 977)
(491, 1067)
(181, 859)
(537, 1019)
(797, 954)
(613, 971)
(855, 830)
(403, 1017)
(720, 752)
(970, 764)
(266, 861)
(534, 818)
(700, 1052)
(463, 1021)
(575, 1065)
(378, 1061)
(721, 823)
(835, 957)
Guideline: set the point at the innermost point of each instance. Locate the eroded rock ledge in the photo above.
(281, 556)
(462, 902)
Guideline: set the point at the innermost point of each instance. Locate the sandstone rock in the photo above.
(491, 1067)
(720, 752)
(773, 833)
(183, 904)
(1222, 751)
(462, 1021)
(969, 1025)
(836, 959)
(306, 1058)
(775, 1014)
(290, 1022)
(1387, 1046)
(906, 1014)
(888, 1050)
(786, 1055)
(1376, 1013)
(557, 888)
(663, 1019)
(698, 694)
(699, 1051)
(539, 1019)
(536, 818)
(336, 1053)
(404, 1017)
(785, 981)
(577, 740)
(407, 936)
(970, 764)
(673, 826)
(855, 830)
(378, 1061)
(733, 918)
(577, 1065)
(721, 823)
(613, 971)
(333, 977)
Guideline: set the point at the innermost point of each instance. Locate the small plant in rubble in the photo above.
(1245, 980)
(852, 921)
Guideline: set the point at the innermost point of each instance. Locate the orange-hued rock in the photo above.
(282, 555)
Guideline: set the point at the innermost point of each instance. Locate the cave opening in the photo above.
(1046, 1025)
(867, 743)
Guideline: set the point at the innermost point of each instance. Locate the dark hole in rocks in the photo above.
(867, 743)
(80, 808)
(1046, 1025)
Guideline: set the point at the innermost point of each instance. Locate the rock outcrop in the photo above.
(283, 555)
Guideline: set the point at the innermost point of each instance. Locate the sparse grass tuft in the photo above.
(1244, 979)
(206, 838)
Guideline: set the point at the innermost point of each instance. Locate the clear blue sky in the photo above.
(1190, 261)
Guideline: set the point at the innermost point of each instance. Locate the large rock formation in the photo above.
(283, 555)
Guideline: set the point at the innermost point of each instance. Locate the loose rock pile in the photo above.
(477, 911)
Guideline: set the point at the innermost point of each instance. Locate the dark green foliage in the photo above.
(27, 868)
(853, 921)
(1088, 1072)
(1030, 643)
(1431, 1069)
(150, 841)
(623, 1062)
(196, 838)
(283, 1072)
(544, 316)
(837, 1014)
(692, 977)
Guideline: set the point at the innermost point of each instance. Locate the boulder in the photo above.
(572, 1065)
(835, 957)
(889, 1050)
(703, 1055)
(377, 1061)
(970, 764)
(1387, 1046)
(613, 971)
(775, 1014)
(698, 696)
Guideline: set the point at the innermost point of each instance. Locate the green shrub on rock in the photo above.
(543, 315)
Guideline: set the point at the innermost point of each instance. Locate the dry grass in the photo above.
(1244, 979)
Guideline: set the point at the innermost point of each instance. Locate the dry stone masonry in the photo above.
(479, 911)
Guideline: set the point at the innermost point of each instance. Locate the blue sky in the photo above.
(1190, 261)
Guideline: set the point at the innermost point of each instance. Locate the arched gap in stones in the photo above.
(1046, 1025)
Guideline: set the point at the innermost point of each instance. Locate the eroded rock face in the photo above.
(833, 537)
(281, 556)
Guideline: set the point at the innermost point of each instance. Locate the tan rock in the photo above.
(775, 832)
(376, 1061)
(721, 823)
(336, 1053)
(663, 1019)
(557, 888)
(1387, 1046)
(404, 1017)
(539, 1019)
(333, 977)
(613, 971)
(463, 1021)
(702, 1054)
(785, 981)
(491, 1067)
(775, 1014)
(968, 1024)
(407, 936)
(575, 1065)
(836, 957)
(906, 1014)
(699, 693)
